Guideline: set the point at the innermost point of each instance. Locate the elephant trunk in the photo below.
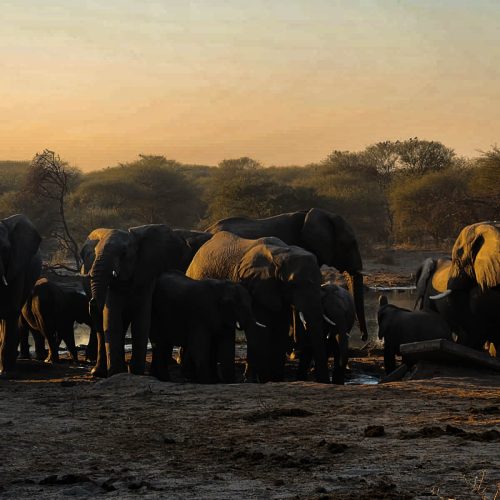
(3, 279)
(100, 277)
(355, 285)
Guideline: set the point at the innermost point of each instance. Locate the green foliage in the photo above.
(151, 190)
(431, 206)
(394, 191)
(12, 175)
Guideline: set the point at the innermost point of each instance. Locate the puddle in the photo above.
(362, 379)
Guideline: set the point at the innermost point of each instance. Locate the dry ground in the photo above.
(64, 435)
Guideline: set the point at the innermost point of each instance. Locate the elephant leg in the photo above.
(91, 349)
(113, 333)
(9, 340)
(389, 358)
(68, 335)
(51, 336)
(100, 368)
(303, 347)
(225, 357)
(278, 343)
(141, 325)
(339, 361)
(160, 361)
(203, 356)
(40, 350)
(24, 345)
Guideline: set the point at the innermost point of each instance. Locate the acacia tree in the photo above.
(52, 179)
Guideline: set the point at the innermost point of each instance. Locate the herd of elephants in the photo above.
(193, 289)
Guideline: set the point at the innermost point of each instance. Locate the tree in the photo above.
(431, 206)
(52, 179)
(151, 190)
(485, 184)
(418, 156)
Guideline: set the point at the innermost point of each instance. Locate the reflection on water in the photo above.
(362, 378)
(402, 298)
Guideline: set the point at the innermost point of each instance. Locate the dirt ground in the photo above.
(64, 434)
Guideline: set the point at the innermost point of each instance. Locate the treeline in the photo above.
(413, 192)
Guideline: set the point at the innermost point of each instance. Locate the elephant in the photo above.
(125, 266)
(328, 236)
(201, 317)
(466, 289)
(397, 326)
(20, 267)
(194, 240)
(51, 310)
(279, 277)
(338, 307)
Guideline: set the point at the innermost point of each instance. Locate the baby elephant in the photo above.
(339, 315)
(401, 326)
(50, 313)
(201, 317)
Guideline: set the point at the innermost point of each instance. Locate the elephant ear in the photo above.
(87, 254)
(153, 249)
(257, 272)
(331, 239)
(476, 253)
(24, 242)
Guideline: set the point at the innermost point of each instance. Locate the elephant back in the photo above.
(219, 257)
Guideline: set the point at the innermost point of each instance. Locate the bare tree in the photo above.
(51, 178)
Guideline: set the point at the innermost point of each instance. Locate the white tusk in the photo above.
(4, 281)
(454, 336)
(440, 295)
(260, 324)
(115, 274)
(301, 316)
(238, 325)
(328, 320)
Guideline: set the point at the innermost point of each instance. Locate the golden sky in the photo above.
(282, 81)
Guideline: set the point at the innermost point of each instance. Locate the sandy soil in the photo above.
(66, 435)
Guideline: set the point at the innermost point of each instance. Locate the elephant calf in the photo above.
(50, 313)
(401, 326)
(201, 317)
(339, 315)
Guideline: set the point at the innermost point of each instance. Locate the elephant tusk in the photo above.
(115, 274)
(328, 320)
(440, 295)
(4, 280)
(238, 325)
(260, 324)
(301, 316)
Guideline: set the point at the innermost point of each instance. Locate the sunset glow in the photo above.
(282, 81)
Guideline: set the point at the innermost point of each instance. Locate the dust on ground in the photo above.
(66, 435)
(63, 434)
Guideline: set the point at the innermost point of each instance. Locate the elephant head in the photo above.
(279, 276)
(236, 306)
(131, 258)
(19, 242)
(476, 257)
(338, 309)
(334, 243)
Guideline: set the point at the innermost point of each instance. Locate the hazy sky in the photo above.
(282, 81)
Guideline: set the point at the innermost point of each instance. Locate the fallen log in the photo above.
(444, 351)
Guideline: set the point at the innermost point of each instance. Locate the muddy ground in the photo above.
(64, 434)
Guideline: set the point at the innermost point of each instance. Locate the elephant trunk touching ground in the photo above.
(355, 284)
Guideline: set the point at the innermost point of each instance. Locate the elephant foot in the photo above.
(7, 374)
(99, 371)
(52, 359)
